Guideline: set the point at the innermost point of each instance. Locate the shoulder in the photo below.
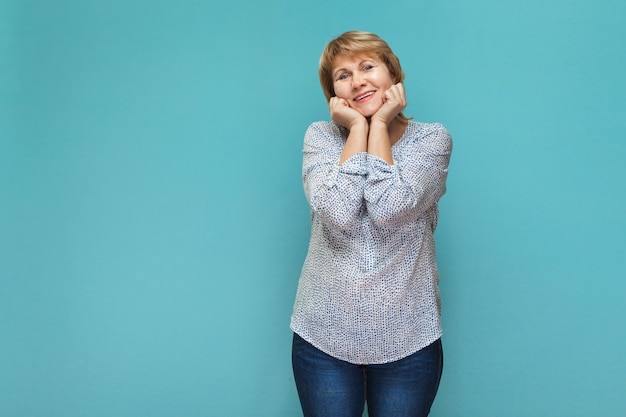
(323, 131)
(430, 135)
(422, 129)
(324, 127)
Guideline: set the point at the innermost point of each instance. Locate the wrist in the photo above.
(359, 124)
(377, 124)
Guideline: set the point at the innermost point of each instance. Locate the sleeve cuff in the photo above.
(379, 169)
(355, 165)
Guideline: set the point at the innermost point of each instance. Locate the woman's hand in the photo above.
(342, 114)
(394, 102)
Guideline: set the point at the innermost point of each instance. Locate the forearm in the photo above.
(379, 142)
(335, 192)
(401, 193)
(339, 207)
(393, 202)
(356, 141)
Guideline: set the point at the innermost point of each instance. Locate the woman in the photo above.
(366, 318)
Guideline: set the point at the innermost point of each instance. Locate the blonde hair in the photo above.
(354, 43)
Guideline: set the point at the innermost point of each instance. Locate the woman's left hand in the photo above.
(394, 102)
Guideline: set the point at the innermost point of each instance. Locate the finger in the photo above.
(397, 90)
(346, 103)
(391, 99)
(396, 93)
(336, 101)
(401, 92)
(389, 94)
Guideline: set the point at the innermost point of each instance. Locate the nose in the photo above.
(357, 80)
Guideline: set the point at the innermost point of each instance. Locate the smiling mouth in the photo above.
(364, 96)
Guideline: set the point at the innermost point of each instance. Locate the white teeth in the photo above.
(364, 95)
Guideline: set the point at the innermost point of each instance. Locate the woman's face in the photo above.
(362, 82)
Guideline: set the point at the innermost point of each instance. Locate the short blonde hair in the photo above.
(354, 43)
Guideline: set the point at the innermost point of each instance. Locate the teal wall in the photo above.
(153, 224)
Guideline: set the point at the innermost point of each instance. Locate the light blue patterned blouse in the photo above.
(368, 291)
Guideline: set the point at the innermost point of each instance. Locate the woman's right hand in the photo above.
(343, 115)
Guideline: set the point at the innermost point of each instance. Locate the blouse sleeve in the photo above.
(401, 193)
(334, 192)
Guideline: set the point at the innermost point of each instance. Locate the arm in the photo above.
(343, 115)
(334, 192)
(397, 195)
(379, 141)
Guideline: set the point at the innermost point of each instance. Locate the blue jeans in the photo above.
(329, 387)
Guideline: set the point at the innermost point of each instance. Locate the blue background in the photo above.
(153, 224)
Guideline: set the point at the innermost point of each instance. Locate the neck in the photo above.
(396, 129)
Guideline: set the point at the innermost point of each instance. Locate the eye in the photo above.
(342, 76)
(367, 67)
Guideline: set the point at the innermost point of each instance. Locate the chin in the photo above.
(368, 113)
